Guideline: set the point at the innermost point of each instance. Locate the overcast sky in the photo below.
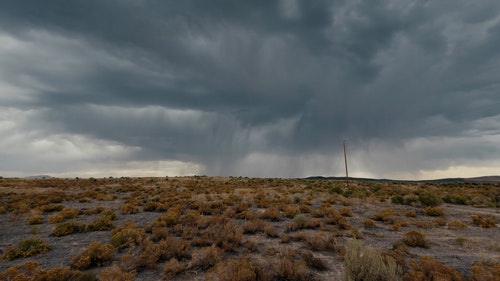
(250, 88)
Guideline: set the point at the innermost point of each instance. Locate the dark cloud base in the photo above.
(261, 88)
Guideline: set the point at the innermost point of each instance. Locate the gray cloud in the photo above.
(261, 88)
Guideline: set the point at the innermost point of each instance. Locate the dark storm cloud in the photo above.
(223, 83)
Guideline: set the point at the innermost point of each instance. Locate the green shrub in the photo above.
(362, 262)
(410, 199)
(429, 199)
(26, 248)
(299, 222)
(397, 199)
(455, 199)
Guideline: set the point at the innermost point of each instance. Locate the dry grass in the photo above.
(362, 262)
(244, 229)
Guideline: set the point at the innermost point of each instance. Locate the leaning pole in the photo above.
(346, 171)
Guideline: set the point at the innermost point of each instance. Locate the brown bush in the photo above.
(271, 231)
(26, 248)
(314, 262)
(290, 211)
(272, 214)
(398, 253)
(172, 247)
(51, 208)
(415, 238)
(96, 254)
(233, 270)
(288, 267)
(345, 211)
(485, 221)
(103, 222)
(429, 268)
(424, 224)
(322, 241)
(439, 222)
(434, 211)
(385, 215)
(69, 213)
(411, 214)
(69, 227)
(148, 256)
(128, 209)
(159, 233)
(485, 271)
(56, 218)
(456, 224)
(253, 226)
(114, 273)
(191, 217)
(205, 258)
(224, 233)
(172, 268)
(30, 271)
(127, 235)
(395, 227)
(368, 223)
(324, 210)
(35, 219)
(59, 273)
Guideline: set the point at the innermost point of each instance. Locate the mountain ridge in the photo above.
(473, 179)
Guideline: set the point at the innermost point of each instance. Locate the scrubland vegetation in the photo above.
(205, 228)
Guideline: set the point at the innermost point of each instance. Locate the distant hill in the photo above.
(485, 179)
(39, 177)
(476, 179)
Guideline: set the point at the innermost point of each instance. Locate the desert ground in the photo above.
(228, 228)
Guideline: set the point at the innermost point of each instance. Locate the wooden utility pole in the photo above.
(346, 171)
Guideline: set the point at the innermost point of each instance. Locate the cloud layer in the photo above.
(260, 88)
